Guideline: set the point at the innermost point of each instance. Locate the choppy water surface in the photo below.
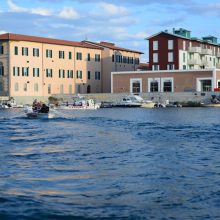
(111, 164)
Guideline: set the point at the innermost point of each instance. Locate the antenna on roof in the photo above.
(86, 38)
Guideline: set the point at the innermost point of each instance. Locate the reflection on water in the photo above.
(111, 163)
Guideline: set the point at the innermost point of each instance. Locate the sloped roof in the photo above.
(112, 46)
(19, 37)
(179, 36)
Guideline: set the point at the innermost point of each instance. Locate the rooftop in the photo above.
(112, 46)
(185, 34)
(19, 37)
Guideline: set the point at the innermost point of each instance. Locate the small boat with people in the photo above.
(80, 103)
(37, 110)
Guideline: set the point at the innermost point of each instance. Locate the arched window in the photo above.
(16, 87)
(25, 87)
(70, 89)
(61, 89)
(1, 69)
(36, 87)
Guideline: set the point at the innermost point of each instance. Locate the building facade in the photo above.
(36, 66)
(114, 59)
(179, 51)
(204, 80)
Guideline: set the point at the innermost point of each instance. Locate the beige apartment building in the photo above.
(36, 66)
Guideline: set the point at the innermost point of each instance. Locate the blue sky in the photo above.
(124, 22)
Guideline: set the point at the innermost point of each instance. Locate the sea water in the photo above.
(111, 164)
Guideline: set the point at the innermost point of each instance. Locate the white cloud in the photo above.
(3, 32)
(41, 11)
(15, 8)
(68, 13)
(111, 9)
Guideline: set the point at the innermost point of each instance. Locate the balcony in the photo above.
(218, 65)
(194, 62)
(206, 52)
(206, 63)
(218, 55)
(194, 50)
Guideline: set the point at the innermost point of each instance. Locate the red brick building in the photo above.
(179, 51)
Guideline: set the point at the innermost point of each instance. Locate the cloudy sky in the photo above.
(125, 22)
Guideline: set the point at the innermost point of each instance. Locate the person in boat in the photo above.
(35, 105)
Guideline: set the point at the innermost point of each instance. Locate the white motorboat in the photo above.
(79, 104)
(129, 101)
(42, 112)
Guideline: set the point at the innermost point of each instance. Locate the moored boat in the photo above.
(78, 104)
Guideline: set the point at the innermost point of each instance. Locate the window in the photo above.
(97, 57)
(1, 69)
(49, 53)
(154, 86)
(78, 56)
(25, 71)
(16, 87)
(25, 87)
(218, 84)
(61, 54)
(1, 49)
(137, 61)
(16, 71)
(36, 72)
(136, 85)
(36, 87)
(89, 75)
(70, 55)
(184, 67)
(49, 89)
(155, 45)
(155, 57)
(49, 73)
(79, 74)
(170, 66)
(70, 89)
(24, 51)
(61, 89)
(155, 67)
(170, 44)
(167, 85)
(78, 89)
(16, 50)
(125, 59)
(97, 75)
(35, 52)
(88, 57)
(70, 74)
(170, 57)
(1, 86)
(61, 73)
(184, 45)
(113, 58)
(184, 57)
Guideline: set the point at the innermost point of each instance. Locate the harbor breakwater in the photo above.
(184, 97)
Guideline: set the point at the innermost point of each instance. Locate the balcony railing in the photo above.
(194, 62)
(206, 52)
(195, 50)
